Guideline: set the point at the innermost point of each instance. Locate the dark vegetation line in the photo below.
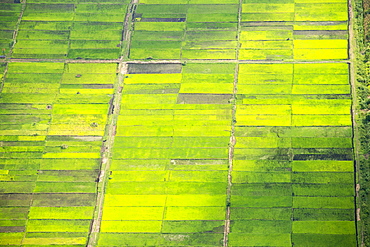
(361, 24)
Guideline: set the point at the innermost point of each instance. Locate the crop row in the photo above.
(9, 18)
(170, 161)
(51, 139)
(73, 30)
(268, 31)
(292, 167)
(293, 155)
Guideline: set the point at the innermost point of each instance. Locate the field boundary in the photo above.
(105, 160)
(360, 77)
(355, 139)
(232, 141)
(110, 129)
(15, 33)
(25, 60)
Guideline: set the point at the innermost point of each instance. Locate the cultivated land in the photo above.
(176, 123)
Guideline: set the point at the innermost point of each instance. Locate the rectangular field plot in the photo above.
(174, 30)
(51, 146)
(10, 13)
(293, 151)
(224, 120)
(172, 149)
(294, 30)
(55, 30)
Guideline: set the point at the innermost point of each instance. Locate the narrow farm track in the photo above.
(3, 79)
(128, 28)
(24, 60)
(232, 137)
(105, 161)
(356, 143)
(15, 34)
(110, 130)
(231, 157)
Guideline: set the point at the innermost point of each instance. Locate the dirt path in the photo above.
(232, 141)
(26, 60)
(105, 161)
(16, 30)
(110, 132)
(171, 61)
(356, 143)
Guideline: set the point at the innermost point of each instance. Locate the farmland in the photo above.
(177, 123)
(52, 128)
(73, 30)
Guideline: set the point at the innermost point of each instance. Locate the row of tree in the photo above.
(362, 34)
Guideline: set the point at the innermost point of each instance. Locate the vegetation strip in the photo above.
(360, 55)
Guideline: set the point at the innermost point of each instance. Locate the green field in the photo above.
(213, 123)
(51, 148)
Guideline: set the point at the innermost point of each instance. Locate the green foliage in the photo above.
(363, 120)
